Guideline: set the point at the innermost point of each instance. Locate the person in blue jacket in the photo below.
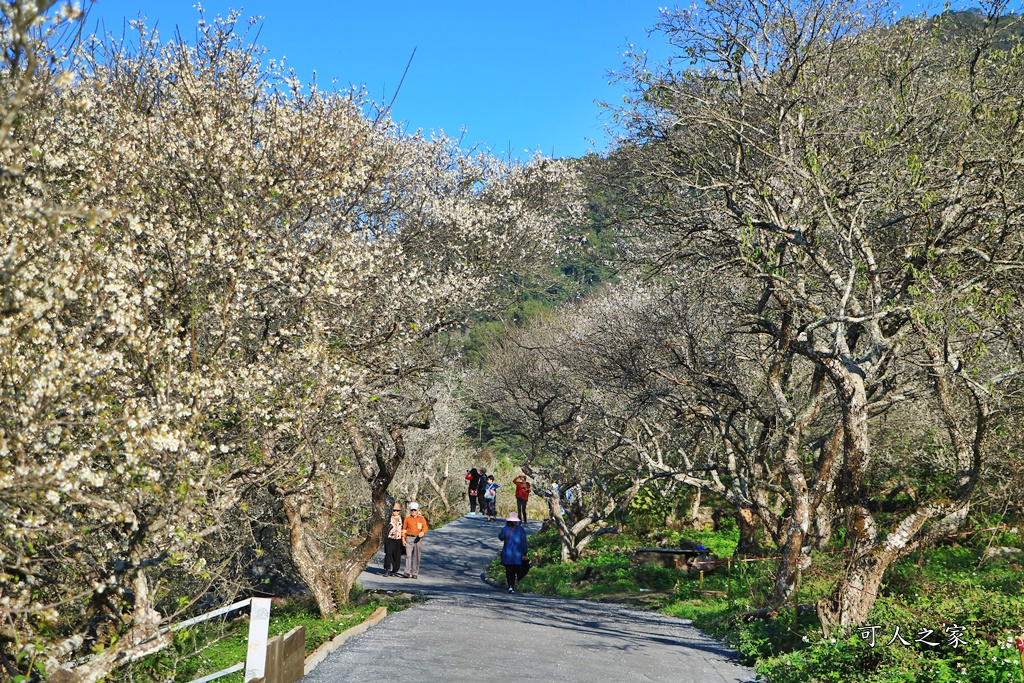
(513, 552)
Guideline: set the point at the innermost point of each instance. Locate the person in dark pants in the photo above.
(513, 552)
(473, 477)
(491, 498)
(393, 542)
(522, 495)
(481, 489)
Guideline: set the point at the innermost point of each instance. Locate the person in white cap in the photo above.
(413, 531)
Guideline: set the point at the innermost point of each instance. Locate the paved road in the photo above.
(453, 559)
(520, 637)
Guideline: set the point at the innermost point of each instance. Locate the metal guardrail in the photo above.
(256, 652)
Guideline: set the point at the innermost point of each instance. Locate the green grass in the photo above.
(603, 572)
(219, 644)
(943, 586)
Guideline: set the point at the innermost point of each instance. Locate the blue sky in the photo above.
(517, 75)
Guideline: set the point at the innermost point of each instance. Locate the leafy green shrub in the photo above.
(830, 660)
(655, 577)
(721, 543)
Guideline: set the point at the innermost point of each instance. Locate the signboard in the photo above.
(259, 624)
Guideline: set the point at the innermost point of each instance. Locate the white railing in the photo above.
(206, 617)
(287, 652)
(256, 651)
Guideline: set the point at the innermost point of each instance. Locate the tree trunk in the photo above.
(695, 510)
(566, 537)
(822, 495)
(823, 518)
(855, 595)
(307, 556)
(386, 460)
(790, 563)
(792, 560)
(142, 639)
(589, 538)
(750, 532)
(356, 560)
(439, 489)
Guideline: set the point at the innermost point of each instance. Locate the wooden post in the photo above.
(728, 564)
(294, 655)
(702, 579)
(273, 669)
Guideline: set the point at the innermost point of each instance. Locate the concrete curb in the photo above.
(320, 654)
(491, 582)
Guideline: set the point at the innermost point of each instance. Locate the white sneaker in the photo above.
(511, 590)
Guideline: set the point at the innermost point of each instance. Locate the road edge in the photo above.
(320, 654)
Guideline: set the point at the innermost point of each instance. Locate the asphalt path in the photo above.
(469, 631)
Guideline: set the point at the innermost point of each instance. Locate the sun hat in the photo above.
(414, 506)
(512, 517)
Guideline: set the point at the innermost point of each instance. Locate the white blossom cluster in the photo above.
(198, 252)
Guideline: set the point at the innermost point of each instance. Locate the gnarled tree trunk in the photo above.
(307, 556)
(855, 595)
(356, 560)
(750, 527)
(142, 639)
(378, 458)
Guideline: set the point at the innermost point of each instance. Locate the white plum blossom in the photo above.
(206, 270)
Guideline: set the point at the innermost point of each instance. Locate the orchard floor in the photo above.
(469, 631)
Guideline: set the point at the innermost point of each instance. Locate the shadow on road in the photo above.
(629, 628)
(572, 641)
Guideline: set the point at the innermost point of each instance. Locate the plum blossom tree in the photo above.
(863, 176)
(545, 384)
(214, 283)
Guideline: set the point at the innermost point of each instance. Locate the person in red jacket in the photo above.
(473, 477)
(481, 489)
(522, 495)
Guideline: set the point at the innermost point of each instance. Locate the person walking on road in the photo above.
(473, 477)
(481, 489)
(393, 542)
(513, 552)
(491, 498)
(413, 531)
(522, 495)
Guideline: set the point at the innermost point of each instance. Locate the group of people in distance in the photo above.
(405, 533)
(408, 532)
(483, 491)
